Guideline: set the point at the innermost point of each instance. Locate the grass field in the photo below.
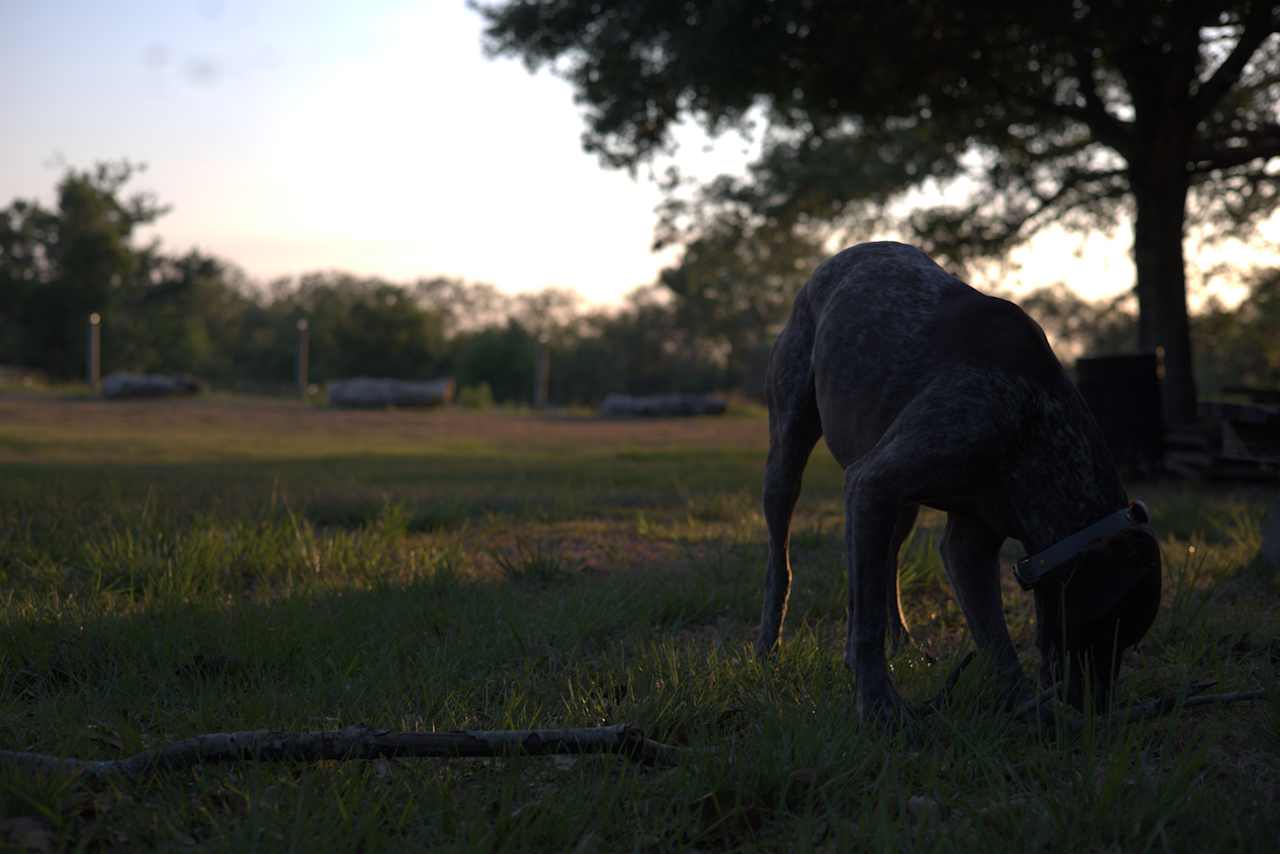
(169, 569)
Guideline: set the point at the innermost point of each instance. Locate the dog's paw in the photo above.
(882, 708)
(1016, 692)
(766, 644)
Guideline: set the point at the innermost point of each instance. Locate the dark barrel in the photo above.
(1124, 394)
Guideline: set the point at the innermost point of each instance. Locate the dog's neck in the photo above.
(1067, 484)
(1044, 515)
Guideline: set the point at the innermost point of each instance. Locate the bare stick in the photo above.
(1034, 707)
(1164, 705)
(1046, 705)
(942, 697)
(357, 742)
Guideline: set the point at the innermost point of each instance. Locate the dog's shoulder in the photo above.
(987, 332)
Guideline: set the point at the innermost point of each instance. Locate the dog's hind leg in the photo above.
(791, 440)
(794, 428)
(899, 633)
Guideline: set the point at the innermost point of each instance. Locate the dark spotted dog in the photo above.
(929, 392)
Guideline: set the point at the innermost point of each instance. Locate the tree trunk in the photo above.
(1160, 196)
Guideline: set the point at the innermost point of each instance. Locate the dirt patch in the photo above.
(596, 548)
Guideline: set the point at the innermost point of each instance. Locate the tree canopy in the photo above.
(705, 325)
(1084, 114)
(56, 266)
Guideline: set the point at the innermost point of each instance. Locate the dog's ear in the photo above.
(1116, 580)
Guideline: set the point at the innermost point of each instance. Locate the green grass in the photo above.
(183, 568)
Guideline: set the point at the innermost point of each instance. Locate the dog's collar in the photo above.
(1033, 569)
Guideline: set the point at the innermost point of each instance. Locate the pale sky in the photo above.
(373, 137)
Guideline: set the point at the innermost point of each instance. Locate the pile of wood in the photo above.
(1231, 441)
(661, 405)
(373, 393)
(128, 386)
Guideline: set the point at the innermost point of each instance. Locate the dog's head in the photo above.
(1088, 614)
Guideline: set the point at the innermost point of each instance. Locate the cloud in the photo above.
(202, 70)
(199, 70)
(157, 56)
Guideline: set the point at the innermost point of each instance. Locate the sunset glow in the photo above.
(290, 137)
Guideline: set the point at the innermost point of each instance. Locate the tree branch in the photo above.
(1263, 141)
(356, 742)
(362, 742)
(1107, 128)
(1229, 158)
(1074, 180)
(997, 220)
(1165, 705)
(943, 697)
(1257, 27)
(1045, 705)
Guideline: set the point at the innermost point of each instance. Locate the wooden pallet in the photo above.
(1230, 442)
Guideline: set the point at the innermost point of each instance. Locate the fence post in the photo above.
(541, 375)
(93, 367)
(303, 355)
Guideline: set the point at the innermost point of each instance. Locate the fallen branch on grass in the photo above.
(1037, 706)
(356, 742)
(361, 742)
(1164, 705)
(943, 697)
(1046, 705)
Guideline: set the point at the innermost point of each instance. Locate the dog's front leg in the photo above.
(871, 514)
(899, 634)
(971, 555)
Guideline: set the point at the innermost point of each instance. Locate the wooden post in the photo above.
(93, 368)
(541, 376)
(303, 355)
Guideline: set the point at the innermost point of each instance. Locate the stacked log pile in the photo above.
(661, 405)
(130, 386)
(374, 393)
(1231, 441)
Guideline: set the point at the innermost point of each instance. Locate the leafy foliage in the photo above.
(735, 283)
(361, 326)
(500, 357)
(1029, 114)
(707, 323)
(1240, 345)
(58, 266)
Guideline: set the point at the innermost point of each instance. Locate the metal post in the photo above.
(93, 369)
(303, 354)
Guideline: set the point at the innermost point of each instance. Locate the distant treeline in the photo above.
(705, 325)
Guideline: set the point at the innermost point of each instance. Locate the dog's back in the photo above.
(886, 322)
